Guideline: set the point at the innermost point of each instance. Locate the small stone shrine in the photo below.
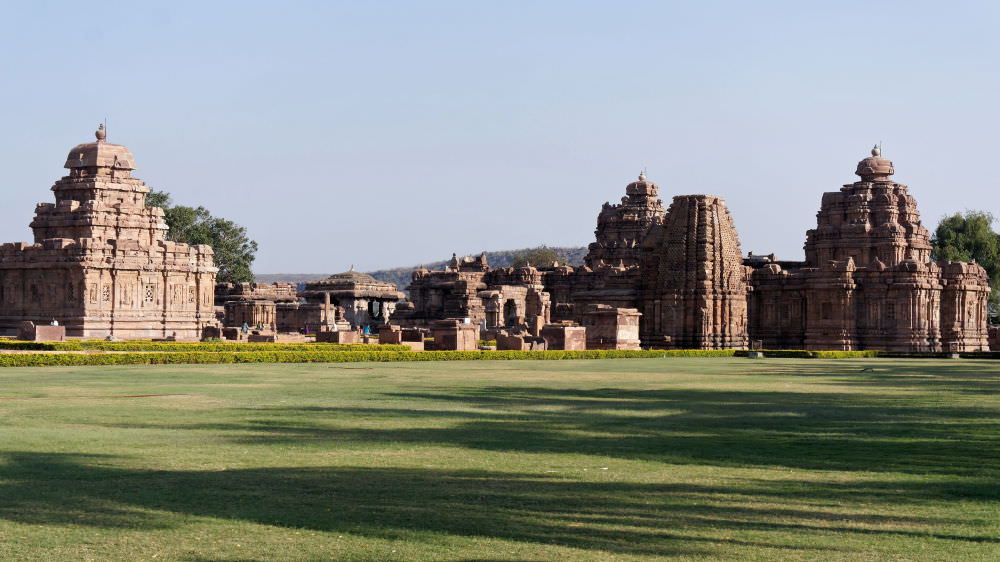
(365, 300)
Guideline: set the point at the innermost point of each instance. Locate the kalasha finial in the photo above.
(642, 175)
(101, 134)
(876, 151)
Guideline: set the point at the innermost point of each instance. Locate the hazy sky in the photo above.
(384, 134)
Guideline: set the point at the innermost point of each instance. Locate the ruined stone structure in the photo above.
(868, 282)
(677, 278)
(364, 300)
(100, 264)
(341, 302)
(468, 288)
(253, 304)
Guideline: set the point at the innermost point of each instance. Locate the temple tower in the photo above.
(868, 281)
(693, 281)
(621, 228)
(100, 264)
(868, 219)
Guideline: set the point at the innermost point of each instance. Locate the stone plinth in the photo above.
(568, 337)
(234, 334)
(29, 331)
(262, 338)
(339, 336)
(608, 327)
(455, 335)
(390, 334)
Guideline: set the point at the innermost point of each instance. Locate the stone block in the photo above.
(519, 342)
(455, 335)
(610, 327)
(31, 332)
(568, 337)
(339, 336)
(261, 338)
(390, 334)
(413, 335)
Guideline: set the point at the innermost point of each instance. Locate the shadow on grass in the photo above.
(396, 503)
(826, 431)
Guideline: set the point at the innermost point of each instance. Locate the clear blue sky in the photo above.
(383, 134)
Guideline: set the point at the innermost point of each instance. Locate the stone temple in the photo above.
(659, 277)
(99, 264)
(868, 281)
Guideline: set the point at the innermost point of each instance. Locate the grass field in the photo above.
(526, 460)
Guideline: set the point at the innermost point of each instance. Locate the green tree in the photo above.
(540, 256)
(967, 236)
(234, 250)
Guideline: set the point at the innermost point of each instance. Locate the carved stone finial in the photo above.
(642, 175)
(101, 134)
(876, 151)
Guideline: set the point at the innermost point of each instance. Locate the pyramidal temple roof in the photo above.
(100, 154)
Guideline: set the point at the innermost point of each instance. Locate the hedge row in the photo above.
(195, 357)
(147, 345)
(314, 355)
(805, 354)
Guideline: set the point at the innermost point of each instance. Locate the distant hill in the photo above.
(289, 277)
(400, 276)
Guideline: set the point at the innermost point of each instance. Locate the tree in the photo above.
(540, 256)
(968, 236)
(234, 250)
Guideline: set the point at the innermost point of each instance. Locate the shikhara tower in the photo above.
(100, 263)
(868, 281)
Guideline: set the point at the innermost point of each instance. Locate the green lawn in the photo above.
(527, 460)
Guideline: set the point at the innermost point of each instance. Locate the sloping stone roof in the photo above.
(100, 154)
